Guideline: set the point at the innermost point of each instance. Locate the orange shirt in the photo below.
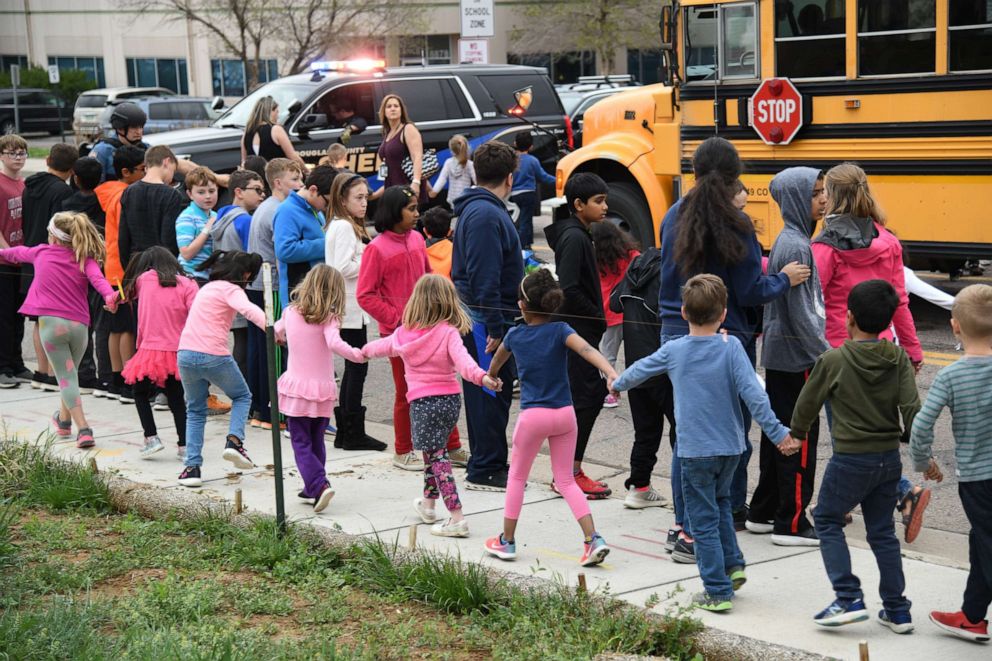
(109, 193)
(439, 255)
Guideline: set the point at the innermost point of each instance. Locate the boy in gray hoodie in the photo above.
(794, 336)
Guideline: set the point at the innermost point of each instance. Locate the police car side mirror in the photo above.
(312, 121)
(217, 103)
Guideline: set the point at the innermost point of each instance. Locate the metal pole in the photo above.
(270, 350)
(15, 81)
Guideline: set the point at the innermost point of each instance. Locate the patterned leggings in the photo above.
(64, 342)
(431, 421)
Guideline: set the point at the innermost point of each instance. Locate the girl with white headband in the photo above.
(64, 267)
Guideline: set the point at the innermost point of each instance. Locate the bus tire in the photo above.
(629, 209)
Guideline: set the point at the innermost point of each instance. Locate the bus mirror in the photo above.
(666, 25)
(523, 98)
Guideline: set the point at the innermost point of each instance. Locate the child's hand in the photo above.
(933, 472)
(110, 303)
(789, 446)
(610, 378)
(495, 385)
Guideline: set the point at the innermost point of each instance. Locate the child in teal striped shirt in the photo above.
(966, 389)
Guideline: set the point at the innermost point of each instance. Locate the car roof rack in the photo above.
(616, 80)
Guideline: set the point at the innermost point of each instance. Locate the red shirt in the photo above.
(609, 280)
(11, 227)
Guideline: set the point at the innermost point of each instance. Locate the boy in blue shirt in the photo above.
(194, 224)
(710, 373)
(526, 193)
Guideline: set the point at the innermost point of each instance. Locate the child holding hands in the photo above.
(429, 343)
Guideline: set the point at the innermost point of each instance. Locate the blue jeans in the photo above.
(197, 371)
(869, 480)
(706, 483)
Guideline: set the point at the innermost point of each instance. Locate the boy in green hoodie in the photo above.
(870, 384)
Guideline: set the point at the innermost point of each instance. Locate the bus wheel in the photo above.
(629, 210)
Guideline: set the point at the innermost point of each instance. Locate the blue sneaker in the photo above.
(501, 548)
(841, 612)
(331, 430)
(898, 621)
(595, 551)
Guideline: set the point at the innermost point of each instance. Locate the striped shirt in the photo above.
(188, 225)
(966, 389)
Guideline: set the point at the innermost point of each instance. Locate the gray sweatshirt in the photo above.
(795, 324)
(225, 237)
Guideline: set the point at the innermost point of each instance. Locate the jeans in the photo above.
(198, 371)
(738, 491)
(706, 483)
(527, 201)
(976, 498)
(868, 480)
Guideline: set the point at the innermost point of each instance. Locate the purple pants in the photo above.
(307, 435)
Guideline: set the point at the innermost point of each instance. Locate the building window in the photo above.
(163, 72)
(645, 65)
(810, 39)
(721, 42)
(91, 66)
(562, 67)
(970, 38)
(7, 60)
(229, 77)
(428, 49)
(896, 37)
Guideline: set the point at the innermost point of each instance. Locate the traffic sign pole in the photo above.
(15, 81)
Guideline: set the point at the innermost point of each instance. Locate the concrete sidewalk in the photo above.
(785, 586)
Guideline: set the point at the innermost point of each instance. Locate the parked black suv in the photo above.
(471, 100)
(39, 111)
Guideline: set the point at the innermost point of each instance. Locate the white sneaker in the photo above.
(450, 529)
(161, 402)
(411, 461)
(758, 528)
(153, 444)
(181, 453)
(638, 500)
(426, 515)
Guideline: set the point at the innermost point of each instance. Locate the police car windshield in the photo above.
(284, 95)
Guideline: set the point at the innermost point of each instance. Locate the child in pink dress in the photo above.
(311, 326)
(429, 343)
(155, 279)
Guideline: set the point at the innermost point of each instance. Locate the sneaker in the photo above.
(450, 528)
(330, 430)
(303, 496)
(898, 621)
(639, 498)
(24, 376)
(8, 381)
(611, 401)
(740, 518)
(102, 389)
(113, 391)
(411, 461)
(501, 548)
(684, 551)
(707, 602)
(234, 451)
(181, 453)
(595, 551)
(161, 402)
(807, 537)
(87, 386)
(494, 482)
(256, 423)
(63, 428)
(957, 624)
(153, 444)
(458, 457)
(426, 514)
(44, 382)
(913, 520)
(190, 477)
(672, 538)
(324, 499)
(216, 407)
(841, 612)
(38, 380)
(591, 488)
(84, 438)
(759, 528)
(127, 395)
(737, 577)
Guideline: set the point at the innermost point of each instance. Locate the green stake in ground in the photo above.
(270, 350)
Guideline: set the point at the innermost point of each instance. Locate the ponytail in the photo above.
(75, 231)
(848, 193)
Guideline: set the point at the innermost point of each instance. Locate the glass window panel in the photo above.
(101, 80)
(897, 53)
(183, 77)
(970, 12)
(131, 77)
(803, 18)
(814, 58)
(66, 63)
(88, 66)
(167, 74)
(739, 50)
(700, 43)
(421, 98)
(971, 50)
(160, 111)
(273, 69)
(146, 73)
(217, 77)
(234, 77)
(874, 16)
(438, 49)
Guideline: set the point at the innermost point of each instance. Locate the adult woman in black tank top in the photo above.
(264, 136)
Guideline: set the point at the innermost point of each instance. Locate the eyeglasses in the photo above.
(16, 154)
(257, 189)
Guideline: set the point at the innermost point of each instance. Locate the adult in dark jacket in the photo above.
(578, 275)
(487, 268)
(705, 233)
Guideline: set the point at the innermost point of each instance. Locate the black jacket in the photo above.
(148, 218)
(42, 199)
(86, 203)
(575, 265)
(636, 296)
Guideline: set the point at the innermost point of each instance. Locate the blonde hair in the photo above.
(320, 296)
(404, 118)
(458, 145)
(84, 238)
(340, 187)
(260, 114)
(279, 167)
(335, 152)
(973, 310)
(848, 193)
(435, 301)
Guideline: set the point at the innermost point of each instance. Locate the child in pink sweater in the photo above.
(429, 343)
(204, 357)
(156, 280)
(311, 326)
(63, 269)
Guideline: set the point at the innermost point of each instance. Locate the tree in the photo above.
(72, 82)
(602, 26)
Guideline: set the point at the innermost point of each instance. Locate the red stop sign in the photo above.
(776, 111)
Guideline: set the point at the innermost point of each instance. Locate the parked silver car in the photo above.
(170, 113)
(91, 104)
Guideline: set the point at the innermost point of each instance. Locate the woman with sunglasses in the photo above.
(265, 136)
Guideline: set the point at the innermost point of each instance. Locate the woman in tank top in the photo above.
(264, 136)
(400, 139)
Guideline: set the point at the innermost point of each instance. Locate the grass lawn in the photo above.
(80, 581)
(38, 152)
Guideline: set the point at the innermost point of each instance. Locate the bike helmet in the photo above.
(126, 116)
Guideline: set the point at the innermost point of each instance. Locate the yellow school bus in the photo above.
(902, 87)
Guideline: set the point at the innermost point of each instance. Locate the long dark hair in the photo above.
(156, 258)
(613, 245)
(232, 265)
(389, 212)
(710, 227)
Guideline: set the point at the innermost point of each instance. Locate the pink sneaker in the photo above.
(62, 429)
(611, 401)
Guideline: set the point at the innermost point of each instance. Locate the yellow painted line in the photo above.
(108, 452)
(945, 356)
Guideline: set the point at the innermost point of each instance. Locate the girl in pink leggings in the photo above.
(541, 351)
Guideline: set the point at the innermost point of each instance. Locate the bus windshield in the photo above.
(283, 93)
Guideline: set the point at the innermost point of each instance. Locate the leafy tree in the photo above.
(71, 83)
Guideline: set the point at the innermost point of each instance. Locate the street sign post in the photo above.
(478, 18)
(776, 111)
(53, 74)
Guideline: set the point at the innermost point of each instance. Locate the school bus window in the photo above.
(810, 39)
(970, 35)
(700, 43)
(721, 42)
(896, 37)
(739, 47)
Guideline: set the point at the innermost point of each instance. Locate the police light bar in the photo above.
(351, 66)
